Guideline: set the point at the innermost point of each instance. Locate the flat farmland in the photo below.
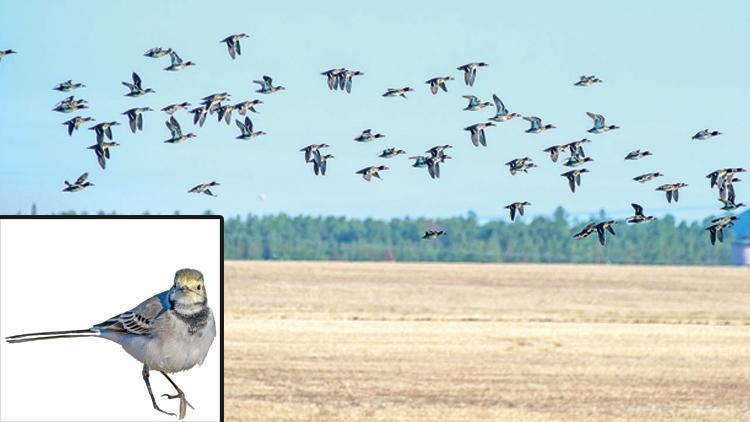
(402, 341)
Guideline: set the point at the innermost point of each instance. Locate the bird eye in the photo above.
(199, 287)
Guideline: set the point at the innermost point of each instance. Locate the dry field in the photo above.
(401, 342)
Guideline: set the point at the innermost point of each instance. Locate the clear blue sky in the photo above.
(669, 70)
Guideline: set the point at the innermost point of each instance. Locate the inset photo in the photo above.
(111, 318)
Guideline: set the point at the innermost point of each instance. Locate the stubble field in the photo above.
(381, 341)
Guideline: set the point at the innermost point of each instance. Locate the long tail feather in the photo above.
(20, 338)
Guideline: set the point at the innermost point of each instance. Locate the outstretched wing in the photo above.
(175, 58)
(136, 80)
(501, 110)
(82, 178)
(638, 209)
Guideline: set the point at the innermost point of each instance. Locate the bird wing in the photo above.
(571, 183)
(136, 81)
(536, 122)
(132, 121)
(82, 178)
(501, 110)
(248, 124)
(231, 48)
(433, 87)
(71, 127)
(177, 131)
(175, 58)
(139, 320)
(512, 212)
(600, 232)
(482, 137)
(268, 80)
(638, 209)
(139, 121)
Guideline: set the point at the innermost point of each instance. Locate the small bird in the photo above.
(213, 101)
(601, 227)
(204, 188)
(477, 133)
(136, 89)
(70, 104)
(438, 150)
(174, 127)
(368, 136)
(587, 80)
(726, 190)
(266, 86)
(247, 129)
(587, 231)
(637, 155)
(101, 149)
(470, 71)
(576, 161)
(4, 53)
(172, 108)
(103, 129)
(199, 115)
(475, 103)
(68, 86)
(373, 171)
(576, 147)
(433, 165)
(332, 77)
(157, 52)
(599, 125)
(647, 177)
(438, 82)
(233, 44)
(536, 125)
(169, 332)
(345, 79)
(639, 217)
(135, 117)
(672, 190)
(79, 184)
(502, 114)
(419, 161)
(433, 234)
(555, 151)
(225, 112)
(320, 165)
(177, 63)
(391, 152)
(516, 207)
(716, 230)
(705, 134)
(574, 178)
(717, 177)
(76, 122)
(518, 164)
(401, 92)
(313, 152)
(246, 106)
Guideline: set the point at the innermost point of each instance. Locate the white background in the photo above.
(71, 274)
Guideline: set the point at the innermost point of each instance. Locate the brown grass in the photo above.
(374, 341)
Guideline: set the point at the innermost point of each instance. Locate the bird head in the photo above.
(188, 287)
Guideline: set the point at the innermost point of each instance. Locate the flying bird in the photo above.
(475, 103)
(587, 80)
(599, 125)
(233, 44)
(76, 122)
(247, 129)
(266, 86)
(204, 188)
(433, 234)
(79, 184)
(516, 207)
(536, 125)
(157, 52)
(438, 82)
(136, 89)
(177, 63)
(639, 217)
(373, 171)
(502, 114)
(68, 86)
(135, 117)
(470, 71)
(174, 128)
(672, 190)
(477, 133)
(574, 178)
(368, 136)
(400, 92)
(637, 155)
(705, 134)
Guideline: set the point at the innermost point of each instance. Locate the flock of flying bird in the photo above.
(342, 79)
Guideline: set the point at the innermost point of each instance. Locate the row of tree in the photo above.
(542, 240)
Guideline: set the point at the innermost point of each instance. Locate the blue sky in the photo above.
(668, 72)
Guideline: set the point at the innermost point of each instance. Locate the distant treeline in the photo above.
(542, 239)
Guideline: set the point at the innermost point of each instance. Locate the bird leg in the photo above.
(180, 395)
(150, 393)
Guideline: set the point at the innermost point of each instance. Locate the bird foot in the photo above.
(183, 402)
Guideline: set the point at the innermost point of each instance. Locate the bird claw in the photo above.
(183, 402)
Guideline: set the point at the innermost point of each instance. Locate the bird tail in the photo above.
(20, 338)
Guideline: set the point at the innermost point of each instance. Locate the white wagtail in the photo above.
(169, 332)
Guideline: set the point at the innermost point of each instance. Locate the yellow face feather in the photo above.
(188, 286)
